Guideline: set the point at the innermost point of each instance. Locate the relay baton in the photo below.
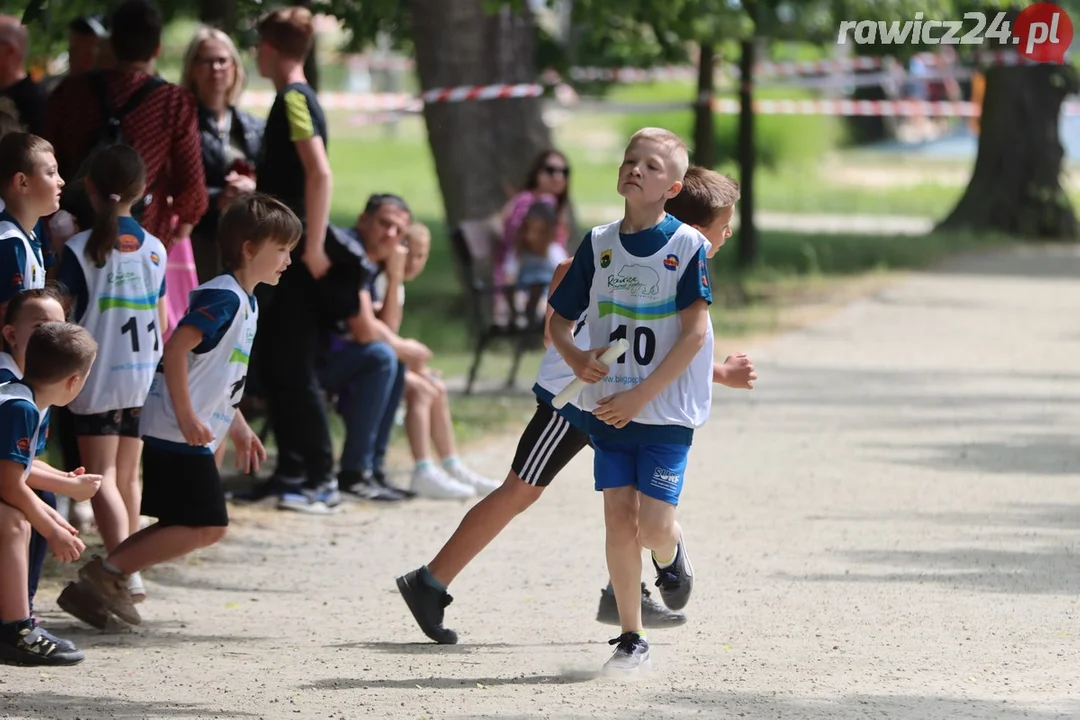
(571, 391)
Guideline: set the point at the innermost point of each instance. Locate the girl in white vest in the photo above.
(115, 274)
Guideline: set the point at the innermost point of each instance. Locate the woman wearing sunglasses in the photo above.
(548, 179)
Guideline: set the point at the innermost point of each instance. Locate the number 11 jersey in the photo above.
(117, 302)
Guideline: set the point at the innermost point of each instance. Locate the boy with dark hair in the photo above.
(58, 360)
(293, 167)
(191, 407)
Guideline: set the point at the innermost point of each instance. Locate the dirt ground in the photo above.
(886, 527)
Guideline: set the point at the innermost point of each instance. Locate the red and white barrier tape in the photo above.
(467, 93)
(853, 108)
(404, 102)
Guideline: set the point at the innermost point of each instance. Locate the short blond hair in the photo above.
(671, 143)
(417, 231)
(203, 34)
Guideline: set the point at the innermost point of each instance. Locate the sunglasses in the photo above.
(556, 170)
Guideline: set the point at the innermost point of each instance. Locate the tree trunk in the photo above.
(747, 246)
(1015, 187)
(482, 149)
(704, 132)
(220, 14)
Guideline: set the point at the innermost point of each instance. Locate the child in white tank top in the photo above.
(114, 276)
(553, 438)
(192, 406)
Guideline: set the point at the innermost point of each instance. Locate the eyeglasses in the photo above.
(214, 62)
(557, 170)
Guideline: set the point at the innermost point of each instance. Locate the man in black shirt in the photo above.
(293, 167)
(20, 96)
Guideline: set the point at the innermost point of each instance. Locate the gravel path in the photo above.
(884, 528)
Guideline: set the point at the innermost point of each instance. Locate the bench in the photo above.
(473, 244)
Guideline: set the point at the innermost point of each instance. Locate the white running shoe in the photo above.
(136, 588)
(431, 482)
(631, 656)
(465, 476)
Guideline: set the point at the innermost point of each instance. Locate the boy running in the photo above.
(553, 438)
(643, 278)
(192, 406)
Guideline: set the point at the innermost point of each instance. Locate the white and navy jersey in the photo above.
(217, 368)
(22, 425)
(633, 287)
(117, 302)
(9, 371)
(22, 265)
(554, 375)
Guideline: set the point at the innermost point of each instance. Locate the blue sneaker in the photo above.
(327, 493)
(676, 581)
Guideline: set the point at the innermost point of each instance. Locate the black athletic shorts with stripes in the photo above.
(549, 442)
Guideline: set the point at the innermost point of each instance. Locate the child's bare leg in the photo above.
(442, 425)
(481, 525)
(14, 562)
(98, 453)
(657, 529)
(156, 544)
(624, 554)
(127, 479)
(419, 397)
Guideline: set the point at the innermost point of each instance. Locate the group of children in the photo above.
(93, 342)
(645, 279)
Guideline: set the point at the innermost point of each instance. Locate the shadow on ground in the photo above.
(47, 705)
(1049, 570)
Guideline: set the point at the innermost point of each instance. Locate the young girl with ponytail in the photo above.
(114, 275)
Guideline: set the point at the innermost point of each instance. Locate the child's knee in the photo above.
(518, 494)
(14, 527)
(654, 532)
(621, 514)
(208, 536)
(656, 523)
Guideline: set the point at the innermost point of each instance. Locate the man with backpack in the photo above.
(155, 117)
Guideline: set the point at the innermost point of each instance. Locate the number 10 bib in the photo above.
(634, 298)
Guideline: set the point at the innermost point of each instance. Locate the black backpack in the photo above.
(74, 198)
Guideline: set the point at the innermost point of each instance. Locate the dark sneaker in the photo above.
(29, 645)
(428, 606)
(81, 604)
(362, 486)
(676, 581)
(62, 645)
(653, 614)
(379, 476)
(631, 655)
(300, 502)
